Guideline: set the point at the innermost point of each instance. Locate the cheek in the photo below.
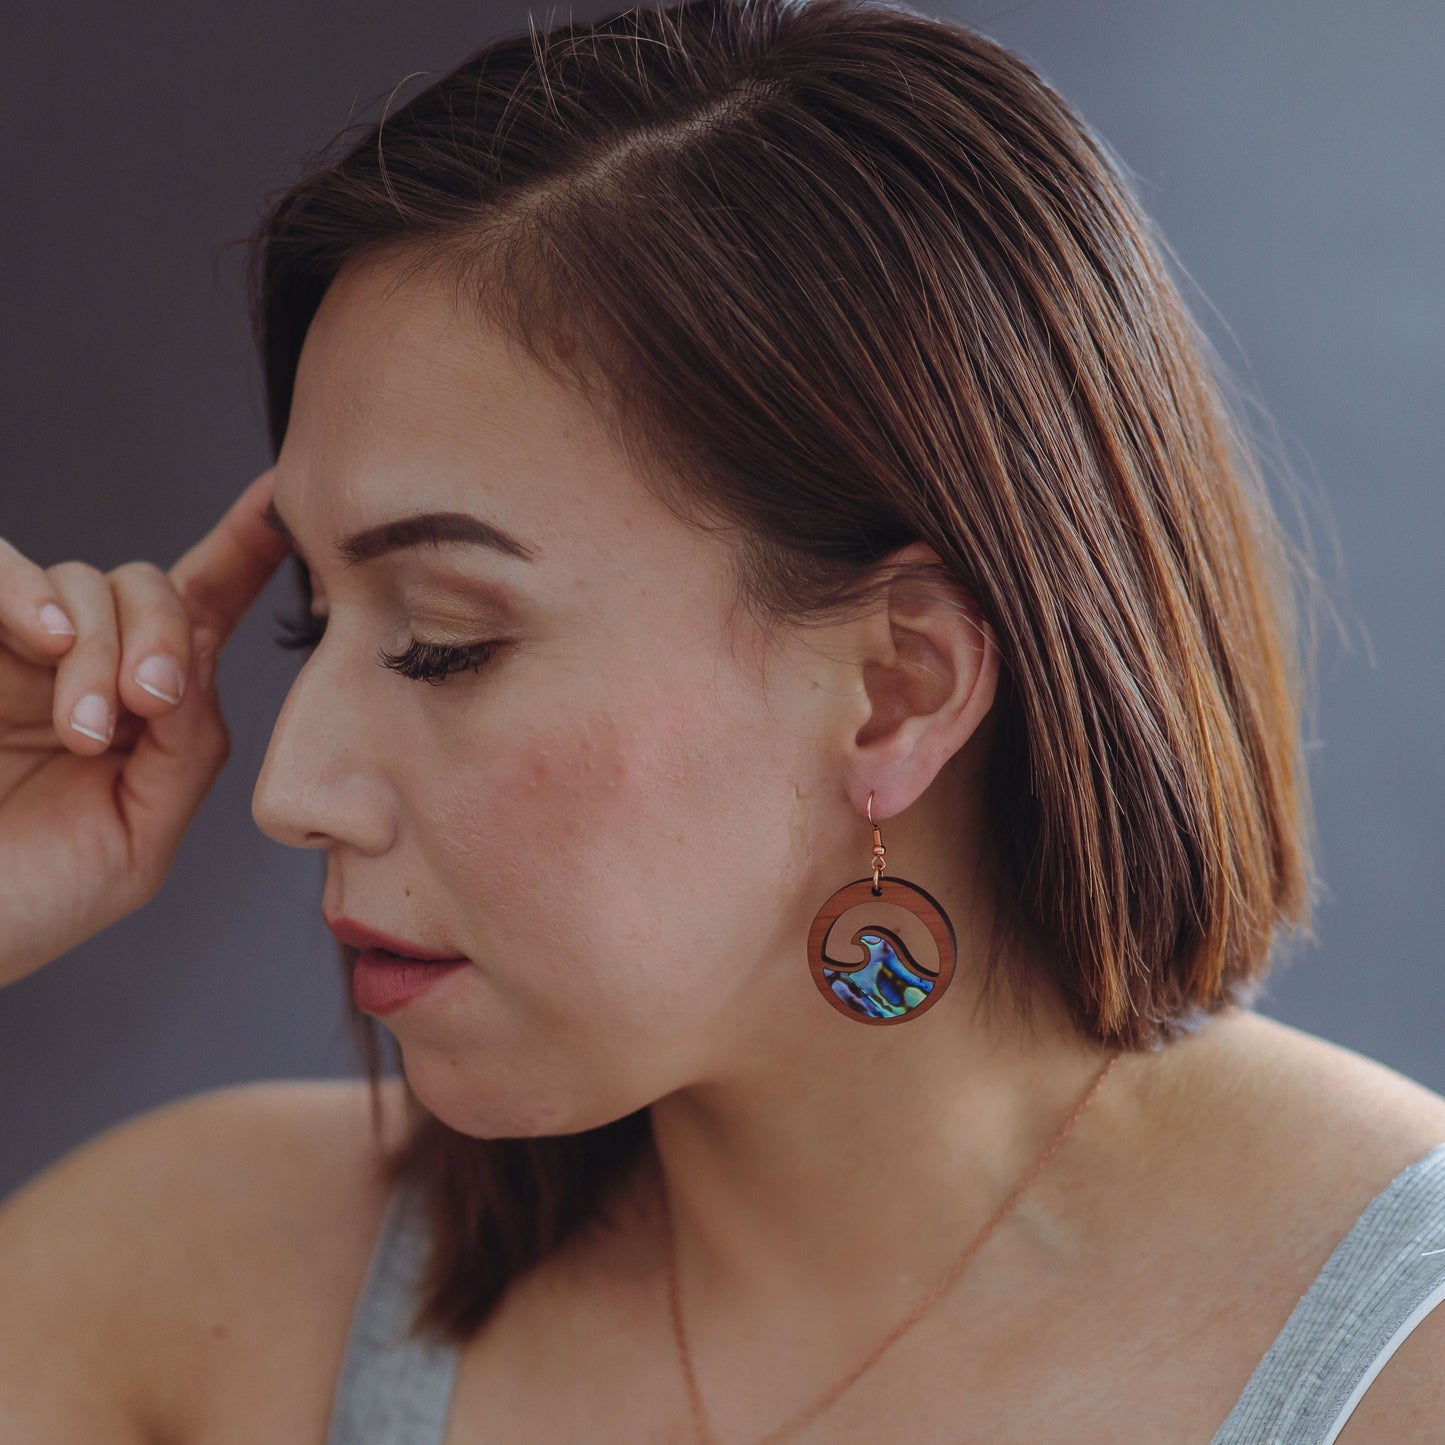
(539, 806)
(624, 875)
(609, 847)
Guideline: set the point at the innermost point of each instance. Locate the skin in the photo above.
(628, 821)
(634, 795)
(89, 824)
(629, 818)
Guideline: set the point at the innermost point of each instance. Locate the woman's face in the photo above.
(612, 818)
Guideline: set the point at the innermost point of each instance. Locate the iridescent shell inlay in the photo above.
(884, 987)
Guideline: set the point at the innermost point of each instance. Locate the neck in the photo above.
(782, 1181)
(822, 1176)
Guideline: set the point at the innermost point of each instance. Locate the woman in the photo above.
(855, 796)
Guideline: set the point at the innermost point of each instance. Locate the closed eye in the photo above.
(434, 662)
(421, 661)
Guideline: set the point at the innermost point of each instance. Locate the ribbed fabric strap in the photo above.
(394, 1388)
(1383, 1278)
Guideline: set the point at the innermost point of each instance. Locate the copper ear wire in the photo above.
(878, 861)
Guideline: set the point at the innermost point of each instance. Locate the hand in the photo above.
(89, 827)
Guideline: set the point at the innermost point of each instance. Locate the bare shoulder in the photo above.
(1271, 1093)
(146, 1272)
(1389, 1121)
(1297, 1135)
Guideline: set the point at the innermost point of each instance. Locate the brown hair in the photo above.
(847, 277)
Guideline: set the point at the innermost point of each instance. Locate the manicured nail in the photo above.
(160, 677)
(91, 716)
(52, 619)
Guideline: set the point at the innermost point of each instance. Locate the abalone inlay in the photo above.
(887, 985)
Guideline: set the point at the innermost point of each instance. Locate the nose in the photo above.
(319, 784)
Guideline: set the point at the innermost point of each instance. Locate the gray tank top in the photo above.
(1383, 1278)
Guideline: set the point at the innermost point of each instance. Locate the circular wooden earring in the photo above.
(887, 985)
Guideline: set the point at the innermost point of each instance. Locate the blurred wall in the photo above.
(1291, 153)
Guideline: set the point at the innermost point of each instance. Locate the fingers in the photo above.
(133, 650)
(222, 574)
(133, 632)
(83, 709)
(32, 616)
(174, 762)
(156, 638)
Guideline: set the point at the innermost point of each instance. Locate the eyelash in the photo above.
(432, 662)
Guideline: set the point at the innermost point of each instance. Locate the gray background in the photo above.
(1290, 152)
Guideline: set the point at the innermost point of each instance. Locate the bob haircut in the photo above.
(844, 277)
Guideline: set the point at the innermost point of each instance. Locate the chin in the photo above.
(484, 1106)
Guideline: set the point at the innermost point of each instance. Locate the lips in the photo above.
(372, 940)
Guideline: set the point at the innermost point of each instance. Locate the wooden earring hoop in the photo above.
(887, 985)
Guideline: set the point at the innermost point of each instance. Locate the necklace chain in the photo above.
(796, 1422)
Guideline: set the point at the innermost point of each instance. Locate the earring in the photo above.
(887, 986)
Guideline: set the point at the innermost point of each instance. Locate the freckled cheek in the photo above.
(520, 817)
(564, 834)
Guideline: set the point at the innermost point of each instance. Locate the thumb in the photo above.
(175, 760)
(219, 577)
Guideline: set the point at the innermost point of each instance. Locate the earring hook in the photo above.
(878, 864)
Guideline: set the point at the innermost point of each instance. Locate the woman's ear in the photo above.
(929, 668)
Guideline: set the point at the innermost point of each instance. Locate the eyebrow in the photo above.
(418, 529)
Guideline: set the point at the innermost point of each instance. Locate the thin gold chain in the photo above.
(796, 1422)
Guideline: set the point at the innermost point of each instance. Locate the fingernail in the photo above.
(91, 716)
(160, 677)
(52, 619)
